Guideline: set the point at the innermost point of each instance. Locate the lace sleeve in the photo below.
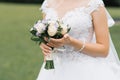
(95, 5)
(43, 7)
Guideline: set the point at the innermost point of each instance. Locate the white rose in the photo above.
(52, 29)
(64, 29)
(40, 27)
(51, 22)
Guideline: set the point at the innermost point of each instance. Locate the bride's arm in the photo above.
(98, 49)
(101, 47)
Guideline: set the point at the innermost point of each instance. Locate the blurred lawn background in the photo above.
(20, 58)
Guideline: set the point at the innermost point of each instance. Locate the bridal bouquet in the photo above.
(50, 29)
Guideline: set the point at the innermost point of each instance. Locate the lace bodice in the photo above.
(80, 21)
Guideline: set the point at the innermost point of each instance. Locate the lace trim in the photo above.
(94, 5)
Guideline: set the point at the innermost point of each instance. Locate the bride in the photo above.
(88, 52)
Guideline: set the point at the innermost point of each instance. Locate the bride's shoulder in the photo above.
(97, 1)
(94, 5)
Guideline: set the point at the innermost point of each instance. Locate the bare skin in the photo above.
(98, 49)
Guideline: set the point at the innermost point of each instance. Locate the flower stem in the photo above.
(49, 64)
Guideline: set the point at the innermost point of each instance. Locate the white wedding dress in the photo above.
(73, 65)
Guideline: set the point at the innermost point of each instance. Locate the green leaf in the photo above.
(33, 32)
(35, 38)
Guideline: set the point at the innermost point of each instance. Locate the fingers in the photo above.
(45, 52)
(50, 44)
(55, 42)
(52, 40)
(66, 36)
(58, 42)
(45, 49)
(44, 46)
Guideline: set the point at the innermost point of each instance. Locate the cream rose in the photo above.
(52, 29)
(64, 29)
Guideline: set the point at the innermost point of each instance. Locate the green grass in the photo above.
(20, 58)
(115, 12)
(115, 34)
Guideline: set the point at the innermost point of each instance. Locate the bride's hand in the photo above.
(46, 50)
(59, 42)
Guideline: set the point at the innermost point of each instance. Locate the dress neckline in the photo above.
(68, 12)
